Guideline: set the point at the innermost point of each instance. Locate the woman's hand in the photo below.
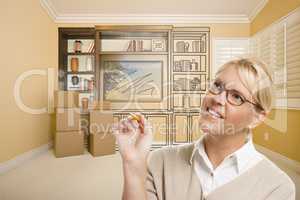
(134, 139)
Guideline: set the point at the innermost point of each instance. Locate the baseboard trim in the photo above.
(15, 162)
(292, 164)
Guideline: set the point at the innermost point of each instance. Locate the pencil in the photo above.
(136, 118)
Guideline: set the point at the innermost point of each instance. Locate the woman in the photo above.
(223, 163)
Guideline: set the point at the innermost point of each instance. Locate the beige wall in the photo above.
(229, 30)
(28, 41)
(274, 10)
(285, 142)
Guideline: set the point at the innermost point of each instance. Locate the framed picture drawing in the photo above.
(125, 81)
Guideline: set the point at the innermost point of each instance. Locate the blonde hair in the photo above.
(257, 78)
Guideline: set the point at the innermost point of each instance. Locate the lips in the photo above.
(214, 113)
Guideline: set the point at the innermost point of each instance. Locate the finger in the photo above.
(115, 128)
(134, 132)
(123, 128)
(118, 130)
(134, 124)
(142, 118)
(141, 121)
(134, 121)
(131, 125)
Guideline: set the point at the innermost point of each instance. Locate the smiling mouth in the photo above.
(214, 114)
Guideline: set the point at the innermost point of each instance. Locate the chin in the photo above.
(211, 127)
(213, 131)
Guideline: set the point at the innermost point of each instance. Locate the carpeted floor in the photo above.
(72, 178)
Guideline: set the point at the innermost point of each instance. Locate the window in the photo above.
(225, 49)
(279, 47)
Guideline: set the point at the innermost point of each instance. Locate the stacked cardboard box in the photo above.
(101, 140)
(66, 99)
(69, 139)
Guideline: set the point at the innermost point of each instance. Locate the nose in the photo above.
(220, 98)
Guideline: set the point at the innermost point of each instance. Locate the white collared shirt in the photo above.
(231, 167)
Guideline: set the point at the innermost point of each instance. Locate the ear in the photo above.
(258, 118)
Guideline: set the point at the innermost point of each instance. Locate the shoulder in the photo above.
(170, 154)
(183, 151)
(272, 173)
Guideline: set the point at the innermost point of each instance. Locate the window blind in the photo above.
(293, 56)
(279, 47)
(225, 49)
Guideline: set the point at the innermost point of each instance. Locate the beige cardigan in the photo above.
(171, 176)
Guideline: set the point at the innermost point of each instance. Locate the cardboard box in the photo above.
(100, 121)
(68, 119)
(66, 99)
(102, 144)
(68, 143)
(101, 140)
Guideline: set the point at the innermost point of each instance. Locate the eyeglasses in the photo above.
(232, 96)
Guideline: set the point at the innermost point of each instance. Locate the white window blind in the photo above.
(269, 46)
(279, 47)
(293, 56)
(225, 49)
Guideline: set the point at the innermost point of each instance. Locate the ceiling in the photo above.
(156, 11)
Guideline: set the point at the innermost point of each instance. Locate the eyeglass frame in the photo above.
(244, 99)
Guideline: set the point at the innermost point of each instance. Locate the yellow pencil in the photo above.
(136, 118)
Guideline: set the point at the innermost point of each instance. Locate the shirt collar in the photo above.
(245, 153)
(196, 148)
(241, 156)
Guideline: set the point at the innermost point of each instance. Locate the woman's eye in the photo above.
(237, 97)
